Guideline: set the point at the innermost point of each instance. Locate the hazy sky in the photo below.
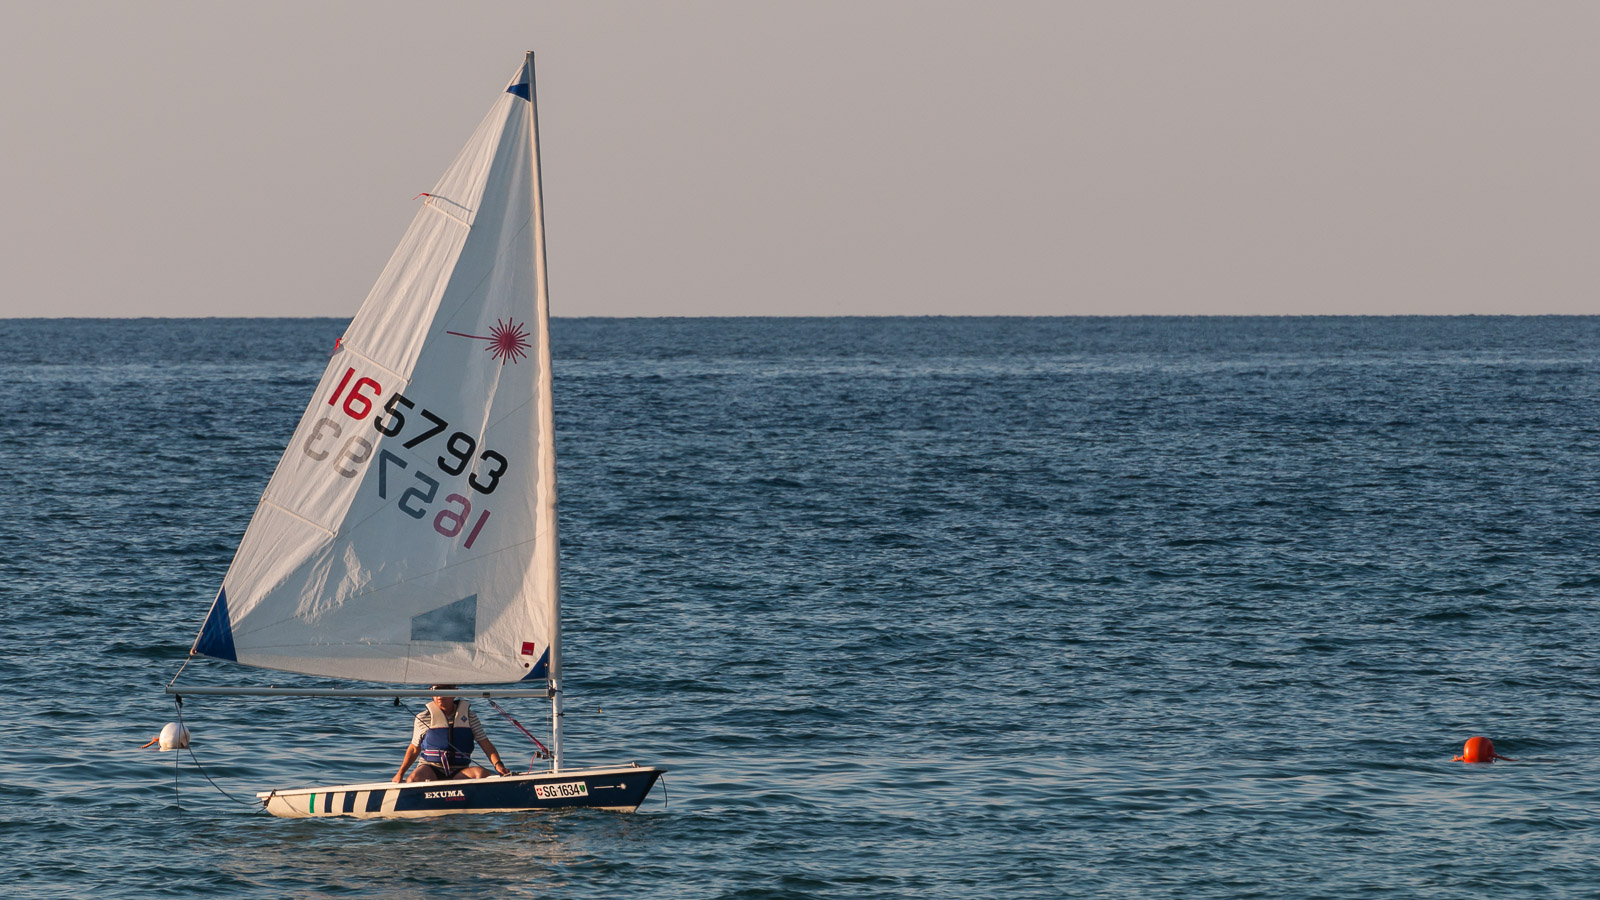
(746, 158)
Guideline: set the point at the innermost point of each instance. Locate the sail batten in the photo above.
(408, 533)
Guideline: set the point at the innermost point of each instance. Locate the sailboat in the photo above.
(408, 535)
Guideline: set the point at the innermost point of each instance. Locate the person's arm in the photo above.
(494, 756)
(411, 757)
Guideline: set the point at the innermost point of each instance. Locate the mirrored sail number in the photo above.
(324, 434)
(414, 502)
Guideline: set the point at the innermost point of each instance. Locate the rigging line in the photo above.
(542, 748)
(182, 667)
(213, 783)
(178, 702)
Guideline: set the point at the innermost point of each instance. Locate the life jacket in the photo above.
(447, 744)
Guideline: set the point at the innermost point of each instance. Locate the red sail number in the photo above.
(357, 405)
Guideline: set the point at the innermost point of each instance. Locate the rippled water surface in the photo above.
(910, 608)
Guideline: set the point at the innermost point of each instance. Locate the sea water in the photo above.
(1147, 607)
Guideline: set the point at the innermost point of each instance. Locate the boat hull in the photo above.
(620, 788)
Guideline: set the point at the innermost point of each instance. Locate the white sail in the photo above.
(409, 532)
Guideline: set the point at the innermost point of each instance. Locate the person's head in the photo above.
(443, 696)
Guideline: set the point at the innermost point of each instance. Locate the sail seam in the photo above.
(365, 358)
(447, 318)
(472, 141)
(429, 203)
(509, 413)
(287, 511)
(352, 528)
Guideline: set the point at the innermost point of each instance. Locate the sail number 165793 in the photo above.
(460, 449)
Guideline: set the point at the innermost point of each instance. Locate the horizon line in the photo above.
(1474, 315)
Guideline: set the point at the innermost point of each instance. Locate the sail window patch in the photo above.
(454, 622)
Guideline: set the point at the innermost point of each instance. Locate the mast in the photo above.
(545, 541)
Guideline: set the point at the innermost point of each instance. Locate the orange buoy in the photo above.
(1480, 750)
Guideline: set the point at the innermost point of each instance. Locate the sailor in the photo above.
(442, 735)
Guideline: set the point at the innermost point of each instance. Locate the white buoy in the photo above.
(173, 737)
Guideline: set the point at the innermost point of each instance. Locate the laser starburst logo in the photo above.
(507, 340)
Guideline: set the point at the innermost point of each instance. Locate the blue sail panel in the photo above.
(216, 636)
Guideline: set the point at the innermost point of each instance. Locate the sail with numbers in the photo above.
(408, 534)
